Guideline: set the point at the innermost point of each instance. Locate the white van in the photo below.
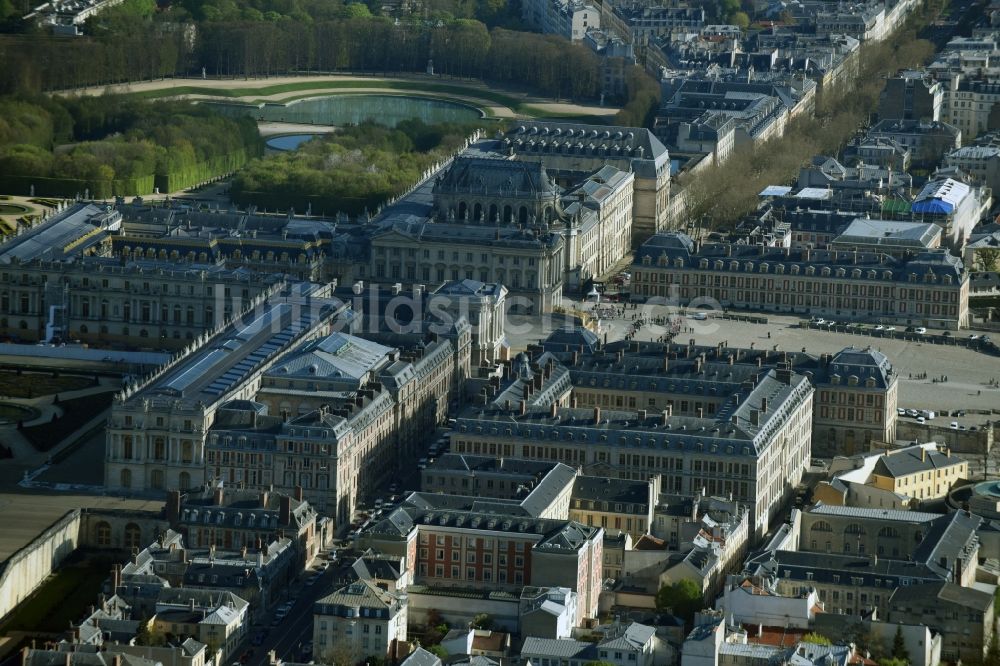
(927, 414)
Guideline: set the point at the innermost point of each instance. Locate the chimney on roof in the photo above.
(173, 506)
(923, 454)
(284, 512)
(69, 657)
(524, 407)
(665, 416)
(243, 552)
(554, 409)
(218, 496)
(701, 412)
(597, 415)
(642, 416)
(191, 604)
(755, 417)
(575, 357)
(264, 496)
(763, 404)
(573, 402)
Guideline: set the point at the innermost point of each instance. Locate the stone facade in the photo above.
(931, 289)
(156, 434)
(144, 303)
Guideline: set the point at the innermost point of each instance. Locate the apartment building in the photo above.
(334, 417)
(232, 518)
(912, 95)
(931, 289)
(617, 505)
(921, 473)
(755, 444)
(358, 620)
(218, 619)
(454, 544)
(853, 568)
(964, 617)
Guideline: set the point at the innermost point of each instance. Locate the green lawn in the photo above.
(256, 93)
(63, 597)
(35, 384)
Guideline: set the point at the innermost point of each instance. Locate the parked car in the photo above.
(700, 316)
(900, 411)
(920, 330)
(954, 424)
(912, 413)
(921, 419)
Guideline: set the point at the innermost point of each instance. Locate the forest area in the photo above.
(106, 146)
(142, 40)
(355, 169)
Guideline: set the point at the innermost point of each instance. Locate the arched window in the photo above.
(126, 478)
(103, 533)
(889, 533)
(821, 526)
(133, 536)
(156, 479)
(83, 329)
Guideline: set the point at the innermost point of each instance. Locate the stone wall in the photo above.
(120, 529)
(959, 441)
(25, 570)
